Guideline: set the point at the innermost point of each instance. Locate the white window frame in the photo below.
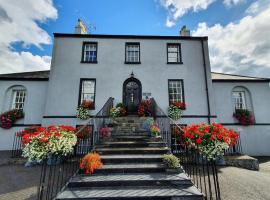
(132, 53)
(18, 99)
(90, 52)
(86, 95)
(239, 99)
(173, 53)
(176, 91)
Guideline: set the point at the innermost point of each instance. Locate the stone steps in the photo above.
(151, 193)
(131, 158)
(132, 169)
(131, 144)
(142, 179)
(146, 150)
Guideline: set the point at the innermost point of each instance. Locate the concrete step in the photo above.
(130, 144)
(133, 138)
(147, 150)
(131, 158)
(154, 179)
(182, 192)
(132, 168)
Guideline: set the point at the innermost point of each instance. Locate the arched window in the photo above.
(241, 98)
(15, 96)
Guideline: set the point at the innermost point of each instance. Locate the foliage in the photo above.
(82, 113)
(171, 161)
(155, 130)
(87, 104)
(211, 140)
(45, 142)
(145, 108)
(148, 123)
(104, 132)
(244, 116)
(8, 118)
(118, 111)
(83, 132)
(175, 110)
(90, 162)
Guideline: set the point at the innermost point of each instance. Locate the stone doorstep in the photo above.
(242, 161)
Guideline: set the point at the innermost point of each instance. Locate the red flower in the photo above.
(198, 141)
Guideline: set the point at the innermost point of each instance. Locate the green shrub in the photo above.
(171, 161)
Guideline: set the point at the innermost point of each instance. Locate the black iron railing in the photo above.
(16, 151)
(236, 149)
(202, 172)
(55, 177)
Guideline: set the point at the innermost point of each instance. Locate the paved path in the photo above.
(242, 184)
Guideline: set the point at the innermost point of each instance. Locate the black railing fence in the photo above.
(54, 177)
(202, 172)
(16, 151)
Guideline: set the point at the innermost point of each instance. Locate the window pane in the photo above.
(239, 100)
(175, 91)
(90, 52)
(88, 90)
(173, 53)
(132, 53)
(18, 99)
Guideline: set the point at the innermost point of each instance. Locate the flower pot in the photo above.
(54, 160)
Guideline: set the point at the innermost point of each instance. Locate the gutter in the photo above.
(206, 84)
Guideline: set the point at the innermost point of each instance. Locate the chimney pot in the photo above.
(184, 31)
(80, 28)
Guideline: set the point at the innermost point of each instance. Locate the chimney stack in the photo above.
(184, 31)
(80, 28)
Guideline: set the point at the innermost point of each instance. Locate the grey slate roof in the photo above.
(34, 75)
(233, 77)
(44, 75)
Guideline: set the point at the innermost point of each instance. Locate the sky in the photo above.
(238, 30)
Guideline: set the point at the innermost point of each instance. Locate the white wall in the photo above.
(255, 138)
(33, 108)
(111, 72)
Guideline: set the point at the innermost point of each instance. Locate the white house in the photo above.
(130, 68)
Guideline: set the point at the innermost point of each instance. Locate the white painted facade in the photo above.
(55, 101)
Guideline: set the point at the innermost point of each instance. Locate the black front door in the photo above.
(132, 95)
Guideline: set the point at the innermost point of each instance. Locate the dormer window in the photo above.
(89, 53)
(132, 53)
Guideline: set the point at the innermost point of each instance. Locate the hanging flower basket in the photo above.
(210, 140)
(87, 104)
(82, 113)
(176, 109)
(7, 119)
(244, 116)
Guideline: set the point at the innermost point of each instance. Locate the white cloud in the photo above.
(178, 8)
(240, 47)
(230, 3)
(19, 23)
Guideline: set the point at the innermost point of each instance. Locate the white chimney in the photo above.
(184, 31)
(80, 28)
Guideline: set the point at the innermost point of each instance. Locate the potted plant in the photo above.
(172, 163)
(83, 132)
(155, 130)
(90, 163)
(118, 111)
(244, 116)
(209, 139)
(175, 110)
(145, 108)
(87, 104)
(82, 113)
(7, 119)
(51, 143)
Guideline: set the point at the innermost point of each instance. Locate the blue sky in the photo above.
(221, 20)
